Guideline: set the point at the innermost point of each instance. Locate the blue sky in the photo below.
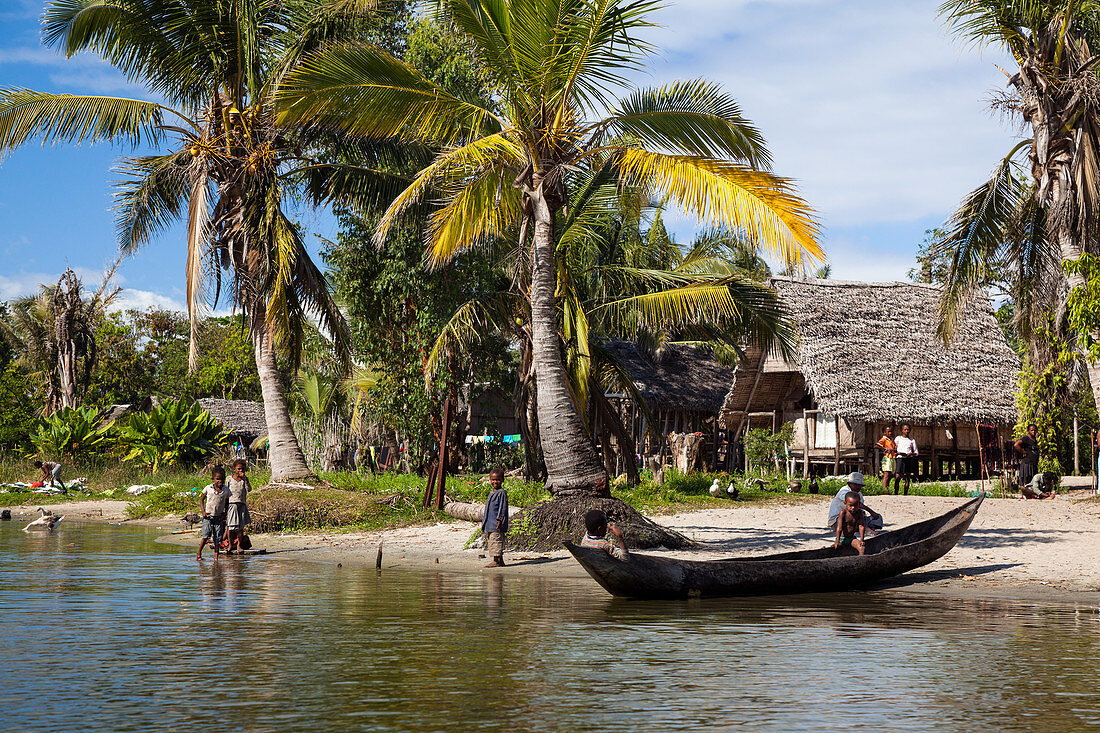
(879, 115)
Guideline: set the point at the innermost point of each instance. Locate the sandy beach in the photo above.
(1014, 548)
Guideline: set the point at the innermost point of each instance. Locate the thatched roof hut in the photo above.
(243, 419)
(867, 355)
(682, 378)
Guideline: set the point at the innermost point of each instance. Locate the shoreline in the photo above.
(1017, 549)
(1025, 550)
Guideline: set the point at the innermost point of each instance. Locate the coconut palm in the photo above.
(214, 66)
(553, 65)
(1040, 207)
(54, 334)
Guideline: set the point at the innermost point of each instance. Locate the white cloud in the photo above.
(876, 111)
(143, 299)
(28, 283)
(83, 72)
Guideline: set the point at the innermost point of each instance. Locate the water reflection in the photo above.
(102, 628)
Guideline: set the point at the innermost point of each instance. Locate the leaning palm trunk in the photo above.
(285, 455)
(572, 464)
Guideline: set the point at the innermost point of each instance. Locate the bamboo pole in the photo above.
(806, 444)
(836, 447)
(1076, 447)
(981, 459)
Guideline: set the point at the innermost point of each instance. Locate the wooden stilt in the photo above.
(442, 482)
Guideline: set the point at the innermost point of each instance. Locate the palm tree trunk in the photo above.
(284, 453)
(572, 464)
(1070, 250)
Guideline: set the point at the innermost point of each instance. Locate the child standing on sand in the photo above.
(237, 516)
(494, 522)
(213, 501)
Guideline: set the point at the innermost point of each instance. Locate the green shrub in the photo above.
(763, 446)
(73, 432)
(169, 435)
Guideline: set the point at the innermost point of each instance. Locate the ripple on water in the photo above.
(101, 628)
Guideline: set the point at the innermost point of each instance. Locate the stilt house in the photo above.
(868, 356)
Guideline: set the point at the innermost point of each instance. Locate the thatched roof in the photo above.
(240, 417)
(680, 378)
(869, 352)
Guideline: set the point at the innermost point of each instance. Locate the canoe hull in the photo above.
(888, 554)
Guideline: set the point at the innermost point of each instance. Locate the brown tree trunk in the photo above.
(524, 401)
(572, 464)
(284, 454)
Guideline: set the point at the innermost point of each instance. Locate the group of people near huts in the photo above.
(900, 456)
(224, 506)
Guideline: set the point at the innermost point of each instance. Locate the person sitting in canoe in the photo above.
(855, 485)
(595, 522)
(852, 522)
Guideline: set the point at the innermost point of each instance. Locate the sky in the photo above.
(880, 117)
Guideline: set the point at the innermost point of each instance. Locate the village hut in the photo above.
(113, 413)
(243, 419)
(867, 356)
(684, 388)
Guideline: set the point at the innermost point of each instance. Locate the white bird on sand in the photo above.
(714, 490)
(47, 521)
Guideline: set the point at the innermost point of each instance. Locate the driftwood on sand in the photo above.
(471, 512)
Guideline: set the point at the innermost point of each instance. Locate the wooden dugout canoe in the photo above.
(888, 554)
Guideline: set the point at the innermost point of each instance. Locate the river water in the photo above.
(103, 629)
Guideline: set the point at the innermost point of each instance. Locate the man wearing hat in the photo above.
(855, 484)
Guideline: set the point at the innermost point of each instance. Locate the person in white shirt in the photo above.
(907, 458)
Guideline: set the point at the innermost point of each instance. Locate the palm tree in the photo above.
(54, 334)
(216, 65)
(553, 66)
(1040, 210)
(613, 287)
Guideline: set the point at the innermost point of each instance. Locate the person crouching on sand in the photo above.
(494, 523)
(851, 522)
(1041, 486)
(213, 501)
(595, 524)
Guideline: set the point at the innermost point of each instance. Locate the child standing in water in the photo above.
(237, 516)
(213, 501)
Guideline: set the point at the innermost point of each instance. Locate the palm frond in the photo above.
(691, 117)
(26, 114)
(370, 94)
(490, 156)
(469, 326)
(150, 197)
(975, 234)
(479, 211)
(734, 196)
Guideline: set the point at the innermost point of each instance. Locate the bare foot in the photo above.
(495, 564)
(199, 556)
